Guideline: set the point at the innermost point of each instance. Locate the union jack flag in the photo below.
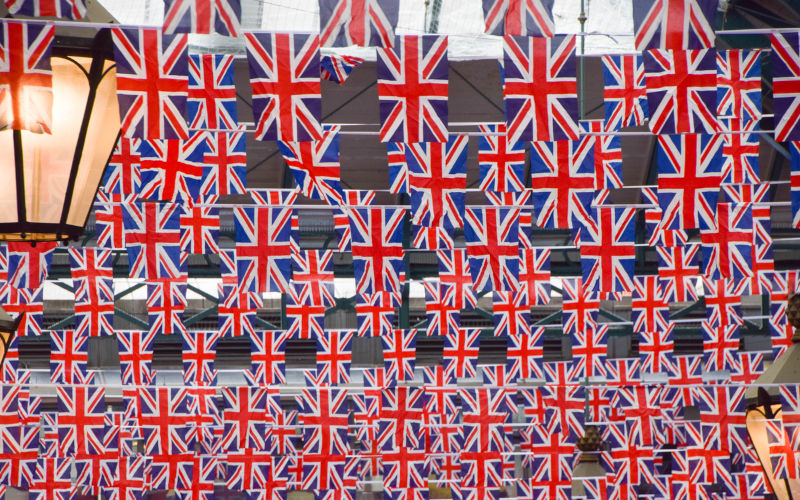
(519, 17)
(53, 479)
(511, 312)
(785, 84)
(28, 264)
(401, 417)
(492, 236)
(81, 420)
(314, 268)
(19, 449)
(749, 368)
(399, 355)
(248, 470)
(268, 358)
(523, 201)
(136, 357)
(244, 417)
(305, 317)
(678, 271)
(674, 24)
(649, 309)
(324, 414)
(267, 197)
(130, 477)
(607, 251)
(563, 176)
(723, 304)
(377, 236)
(405, 474)
(552, 479)
(282, 432)
(655, 350)
(341, 219)
(92, 279)
(337, 68)
(122, 175)
(211, 102)
(739, 85)
(224, 165)
(202, 16)
(525, 355)
(740, 154)
(398, 168)
(200, 229)
(334, 353)
(624, 93)
(368, 24)
(689, 177)
(431, 238)
(152, 237)
(443, 317)
(16, 301)
(794, 184)
(502, 162)
(727, 250)
(460, 352)
(263, 250)
(375, 313)
(454, 269)
(237, 310)
(172, 169)
(166, 302)
(720, 347)
(438, 180)
(623, 371)
(284, 76)
(69, 356)
(580, 306)
(152, 83)
(169, 471)
(681, 91)
(589, 348)
(722, 414)
(607, 154)
(412, 89)
(657, 235)
(484, 411)
(535, 274)
(108, 219)
(65, 9)
(26, 76)
(540, 89)
(199, 352)
(315, 166)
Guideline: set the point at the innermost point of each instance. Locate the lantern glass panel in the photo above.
(48, 158)
(8, 188)
(100, 139)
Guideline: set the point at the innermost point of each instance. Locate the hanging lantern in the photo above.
(50, 180)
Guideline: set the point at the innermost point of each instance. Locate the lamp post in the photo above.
(765, 405)
(49, 181)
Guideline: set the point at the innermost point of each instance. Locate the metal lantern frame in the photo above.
(100, 50)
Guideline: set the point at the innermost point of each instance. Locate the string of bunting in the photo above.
(672, 422)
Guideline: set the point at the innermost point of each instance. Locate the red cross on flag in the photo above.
(26, 76)
(152, 83)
